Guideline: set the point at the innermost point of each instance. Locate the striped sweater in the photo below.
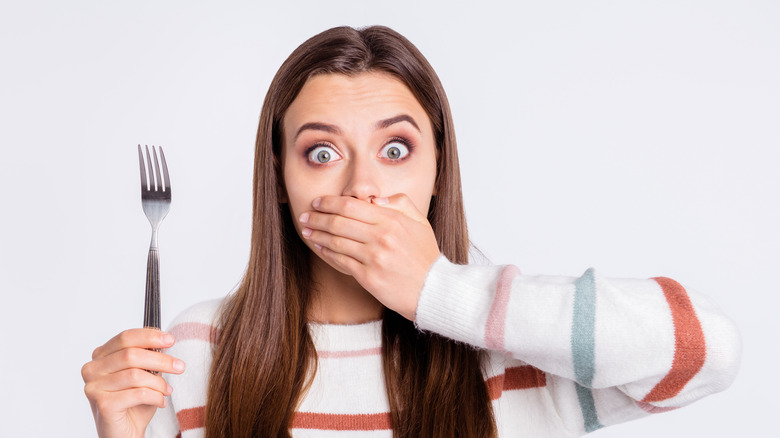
(567, 356)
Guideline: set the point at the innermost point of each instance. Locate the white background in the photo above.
(639, 137)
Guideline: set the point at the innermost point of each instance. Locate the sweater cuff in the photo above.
(455, 300)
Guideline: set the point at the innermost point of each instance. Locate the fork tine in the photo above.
(166, 179)
(144, 183)
(159, 187)
(152, 183)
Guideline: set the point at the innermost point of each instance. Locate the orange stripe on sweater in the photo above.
(192, 418)
(311, 420)
(523, 377)
(689, 347)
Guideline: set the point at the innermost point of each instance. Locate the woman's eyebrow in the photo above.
(397, 119)
(318, 126)
(333, 129)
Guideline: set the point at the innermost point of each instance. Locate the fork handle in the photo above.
(152, 300)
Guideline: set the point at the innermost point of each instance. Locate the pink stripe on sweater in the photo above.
(195, 330)
(342, 354)
(494, 329)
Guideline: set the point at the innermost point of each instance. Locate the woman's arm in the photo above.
(616, 348)
(650, 340)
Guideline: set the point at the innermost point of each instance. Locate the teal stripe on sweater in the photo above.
(583, 343)
(588, 408)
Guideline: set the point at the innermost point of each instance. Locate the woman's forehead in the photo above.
(332, 96)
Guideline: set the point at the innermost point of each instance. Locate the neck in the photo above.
(338, 298)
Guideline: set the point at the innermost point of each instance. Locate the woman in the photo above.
(357, 311)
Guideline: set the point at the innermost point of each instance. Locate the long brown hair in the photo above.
(265, 357)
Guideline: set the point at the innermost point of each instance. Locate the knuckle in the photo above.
(129, 356)
(350, 206)
(86, 371)
(330, 222)
(386, 240)
(376, 258)
(136, 376)
(335, 222)
(337, 245)
(144, 393)
(89, 390)
(124, 338)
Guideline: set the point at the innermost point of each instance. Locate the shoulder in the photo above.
(205, 312)
(196, 329)
(199, 321)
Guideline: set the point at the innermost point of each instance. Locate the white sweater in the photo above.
(567, 355)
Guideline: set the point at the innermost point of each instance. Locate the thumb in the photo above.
(400, 202)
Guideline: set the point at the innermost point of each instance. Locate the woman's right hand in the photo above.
(122, 393)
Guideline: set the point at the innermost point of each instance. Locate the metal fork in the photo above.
(156, 201)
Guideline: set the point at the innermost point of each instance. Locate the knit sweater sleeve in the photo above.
(620, 347)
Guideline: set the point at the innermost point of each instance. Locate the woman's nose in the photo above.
(362, 182)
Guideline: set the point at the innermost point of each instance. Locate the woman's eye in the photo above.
(323, 154)
(394, 151)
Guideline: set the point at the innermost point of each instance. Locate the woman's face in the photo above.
(362, 136)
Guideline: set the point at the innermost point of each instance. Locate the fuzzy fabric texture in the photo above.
(567, 355)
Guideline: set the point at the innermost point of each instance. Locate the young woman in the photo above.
(358, 311)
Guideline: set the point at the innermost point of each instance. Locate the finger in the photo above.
(134, 358)
(342, 262)
(336, 244)
(337, 225)
(139, 337)
(118, 401)
(401, 203)
(129, 378)
(347, 206)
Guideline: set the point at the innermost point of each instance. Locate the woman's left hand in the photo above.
(387, 245)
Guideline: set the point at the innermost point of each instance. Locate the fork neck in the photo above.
(153, 244)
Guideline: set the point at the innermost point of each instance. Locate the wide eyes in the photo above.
(394, 151)
(323, 155)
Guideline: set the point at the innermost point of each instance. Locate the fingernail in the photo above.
(381, 201)
(318, 246)
(178, 365)
(316, 202)
(304, 218)
(306, 232)
(167, 339)
(170, 390)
